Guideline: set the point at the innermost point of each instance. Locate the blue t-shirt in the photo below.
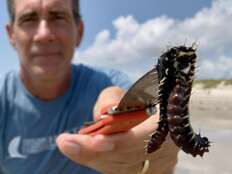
(29, 126)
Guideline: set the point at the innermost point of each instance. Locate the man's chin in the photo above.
(46, 73)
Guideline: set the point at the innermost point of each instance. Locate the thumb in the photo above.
(103, 110)
(108, 98)
(83, 149)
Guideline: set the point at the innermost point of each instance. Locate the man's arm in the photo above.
(120, 153)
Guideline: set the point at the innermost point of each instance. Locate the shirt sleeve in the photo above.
(1, 124)
(120, 79)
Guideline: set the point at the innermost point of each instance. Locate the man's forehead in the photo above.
(31, 5)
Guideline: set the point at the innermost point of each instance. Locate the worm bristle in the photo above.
(176, 72)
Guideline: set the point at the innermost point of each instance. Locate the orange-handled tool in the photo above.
(111, 124)
(135, 107)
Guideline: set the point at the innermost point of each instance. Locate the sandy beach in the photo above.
(211, 115)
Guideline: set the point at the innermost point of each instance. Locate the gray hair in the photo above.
(75, 4)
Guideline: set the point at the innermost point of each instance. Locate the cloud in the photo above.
(135, 45)
(221, 68)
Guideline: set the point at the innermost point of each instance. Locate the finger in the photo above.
(134, 138)
(147, 127)
(164, 158)
(103, 110)
(83, 149)
(109, 97)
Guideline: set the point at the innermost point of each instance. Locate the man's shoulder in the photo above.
(109, 76)
(93, 70)
(7, 80)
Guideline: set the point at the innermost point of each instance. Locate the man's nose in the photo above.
(44, 32)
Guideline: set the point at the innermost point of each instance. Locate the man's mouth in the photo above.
(47, 58)
(46, 54)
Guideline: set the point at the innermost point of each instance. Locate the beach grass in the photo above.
(209, 84)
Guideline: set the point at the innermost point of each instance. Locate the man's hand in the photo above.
(120, 153)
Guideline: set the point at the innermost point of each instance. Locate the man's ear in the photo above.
(80, 32)
(10, 33)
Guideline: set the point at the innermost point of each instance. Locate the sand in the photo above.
(211, 114)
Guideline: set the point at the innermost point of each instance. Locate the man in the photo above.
(49, 96)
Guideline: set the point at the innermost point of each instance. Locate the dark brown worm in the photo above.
(178, 118)
(166, 84)
(176, 73)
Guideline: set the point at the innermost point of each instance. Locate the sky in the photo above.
(130, 35)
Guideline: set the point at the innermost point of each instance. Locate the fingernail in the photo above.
(72, 148)
(101, 145)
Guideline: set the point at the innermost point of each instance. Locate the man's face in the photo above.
(45, 35)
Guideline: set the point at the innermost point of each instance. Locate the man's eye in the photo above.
(28, 20)
(58, 17)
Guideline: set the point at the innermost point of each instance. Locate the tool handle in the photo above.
(111, 124)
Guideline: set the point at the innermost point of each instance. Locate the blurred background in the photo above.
(130, 35)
